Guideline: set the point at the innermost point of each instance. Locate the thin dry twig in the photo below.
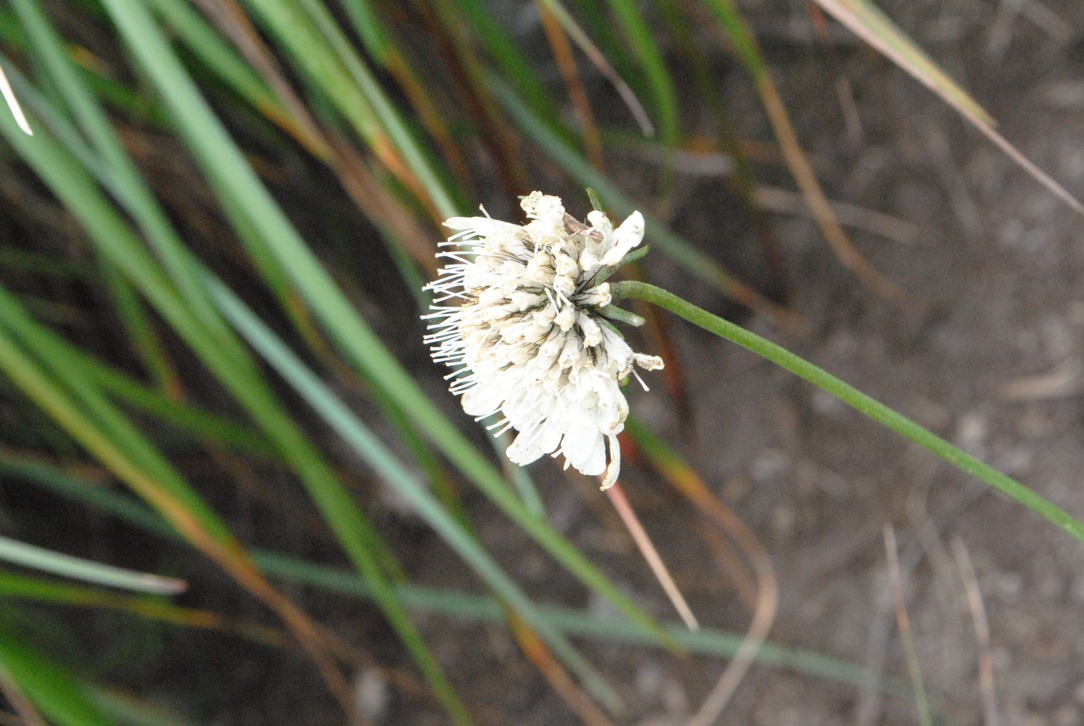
(229, 19)
(928, 526)
(929, 545)
(904, 624)
(982, 631)
(558, 678)
(647, 549)
(1066, 379)
(603, 66)
(767, 604)
(872, 26)
(850, 215)
(1001, 27)
(810, 187)
(685, 479)
(955, 186)
(577, 94)
(708, 164)
(729, 560)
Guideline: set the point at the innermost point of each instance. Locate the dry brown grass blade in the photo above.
(378, 205)
(982, 631)
(872, 26)
(784, 201)
(581, 106)
(647, 549)
(232, 21)
(429, 114)
(558, 678)
(603, 66)
(307, 632)
(903, 622)
(686, 480)
(228, 17)
(818, 203)
(728, 557)
(767, 601)
(370, 196)
(231, 556)
(470, 82)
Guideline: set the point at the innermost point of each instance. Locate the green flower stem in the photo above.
(852, 397)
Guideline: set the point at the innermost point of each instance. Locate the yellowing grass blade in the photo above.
(874, 27)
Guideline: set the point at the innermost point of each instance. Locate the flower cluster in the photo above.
(520, 315)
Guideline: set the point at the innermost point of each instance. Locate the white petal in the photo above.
(523, 451)
(482, 400)
(585, 448)
(613, 469)
(627, 236)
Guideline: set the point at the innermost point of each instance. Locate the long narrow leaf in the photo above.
(53, 689)
(368, 446)
(122, 177)
(857, 400)
(79, 568)
(454, 603)
(233, 178)
(871, 25)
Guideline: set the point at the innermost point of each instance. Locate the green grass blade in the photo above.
(178, 414)
(641, 40)
(232, 177)
(368, 26)
(78, 568)
(121, 176)
(191, 29)
(456, 604)
(74, 488)
(187, 418)
(149, 607)
(369, 447)
(221, 353)
(514, 65)
(867, 22)
(315, 41)
(13, 104)
(96, 425)
(481, 608)
(855, 399)
(123, 708)
(145, 340)
(51, 688)
(235, 370)
(68, 178)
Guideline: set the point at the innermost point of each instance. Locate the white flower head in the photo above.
(519, 315)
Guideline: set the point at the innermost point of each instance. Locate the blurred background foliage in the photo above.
(211, 258)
